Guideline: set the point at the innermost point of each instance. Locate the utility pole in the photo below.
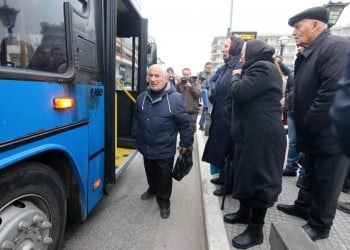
(229, 30)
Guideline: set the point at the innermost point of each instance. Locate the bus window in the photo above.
(79, 5)
(33, 43)
(126, 62)
(151, 53)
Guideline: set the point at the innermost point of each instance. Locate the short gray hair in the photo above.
(159, 65)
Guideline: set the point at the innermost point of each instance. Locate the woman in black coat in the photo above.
(259, 137)
(219, 143)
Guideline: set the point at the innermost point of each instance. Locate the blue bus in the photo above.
(62, 115)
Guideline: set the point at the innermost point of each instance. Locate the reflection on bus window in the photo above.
(38, 60)
(57, 59)
(126, 62)
(26, 42)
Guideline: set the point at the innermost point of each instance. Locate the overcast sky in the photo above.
(184, 29)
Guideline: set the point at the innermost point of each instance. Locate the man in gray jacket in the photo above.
(317, 72)
(159, 115)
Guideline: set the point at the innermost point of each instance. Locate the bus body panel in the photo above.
(72, 143)
(96, 173)
(30, 109)
(71, 52)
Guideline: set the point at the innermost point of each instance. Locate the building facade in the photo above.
(289, 50)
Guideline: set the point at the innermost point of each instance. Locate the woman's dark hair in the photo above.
(236, 45)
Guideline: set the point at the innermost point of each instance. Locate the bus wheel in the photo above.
(33, 207)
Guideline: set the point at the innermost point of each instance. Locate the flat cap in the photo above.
(318, 13)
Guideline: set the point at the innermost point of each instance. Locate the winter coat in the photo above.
(215, 77)
(158, 117)
(340, 111)
(317, 72)
(257, 130)
(204, 79)
(289, 93)
(219, 143)
(191, 95)
(212, 83)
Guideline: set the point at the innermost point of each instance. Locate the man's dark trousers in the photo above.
(321, 187)
(159, 179)
(346, 185)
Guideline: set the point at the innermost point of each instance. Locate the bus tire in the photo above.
(33, 207)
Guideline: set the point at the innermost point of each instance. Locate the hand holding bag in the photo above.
(183, 165)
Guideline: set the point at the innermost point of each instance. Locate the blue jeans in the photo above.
(206, 106)
(214, 170)
(293, 154)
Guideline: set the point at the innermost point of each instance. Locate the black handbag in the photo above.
(183, 165)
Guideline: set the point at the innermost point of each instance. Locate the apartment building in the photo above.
(289, 50)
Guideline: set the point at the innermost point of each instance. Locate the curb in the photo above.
(215, 228)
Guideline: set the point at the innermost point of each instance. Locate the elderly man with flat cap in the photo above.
(317, 72)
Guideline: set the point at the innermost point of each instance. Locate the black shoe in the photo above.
(302, 159)
(287, 172)
(299, 182)
(146, 196)
(346, 190)
(316, 233)
(344, 206)
(201, 127)
(217, 181)
(292, 210)
(234, 218)
(253, 235)
(164, 212)
(220, 191)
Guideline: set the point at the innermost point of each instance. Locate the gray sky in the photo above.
(184, 29)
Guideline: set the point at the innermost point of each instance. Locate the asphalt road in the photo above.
(123, 221)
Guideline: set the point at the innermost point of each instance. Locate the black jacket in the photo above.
(219, 143)
(257, 130)
(157, 120)
(340, 111)
(317, 73)
(289, 94)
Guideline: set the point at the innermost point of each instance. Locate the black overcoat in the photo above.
(340, 111)
(257, 130)
(219, 143)
(318, 70)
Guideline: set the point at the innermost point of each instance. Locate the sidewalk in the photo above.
(220, 234)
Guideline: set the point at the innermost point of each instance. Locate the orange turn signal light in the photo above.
(63, 103)
(97, 184)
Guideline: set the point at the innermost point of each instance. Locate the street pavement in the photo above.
(220, 234)
(122, 221)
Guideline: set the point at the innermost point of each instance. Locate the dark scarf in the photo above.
(257, 50)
